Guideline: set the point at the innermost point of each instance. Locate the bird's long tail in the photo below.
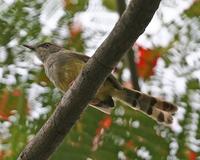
(159, 110)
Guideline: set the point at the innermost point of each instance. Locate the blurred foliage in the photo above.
(123, 131)
(194, 10)
(75, 39)
(73, 7)
(110, 4)
(27, 98)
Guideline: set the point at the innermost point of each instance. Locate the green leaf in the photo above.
(110, 4)
(193, 84)
(194, 10)
(75, 6)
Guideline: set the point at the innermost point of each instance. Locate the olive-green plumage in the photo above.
(63, 66)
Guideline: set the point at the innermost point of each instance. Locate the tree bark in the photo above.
(131, 24)
(130, 56)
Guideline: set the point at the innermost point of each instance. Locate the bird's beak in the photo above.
(30, 47)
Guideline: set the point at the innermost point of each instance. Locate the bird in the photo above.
(62, 66)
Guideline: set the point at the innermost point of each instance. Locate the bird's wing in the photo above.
(85, 58)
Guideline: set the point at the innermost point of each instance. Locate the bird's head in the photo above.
(44, 50)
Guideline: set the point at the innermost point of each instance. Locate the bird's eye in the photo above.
(44, 45)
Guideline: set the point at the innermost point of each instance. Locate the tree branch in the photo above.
(132, 67)
(130, 56)
(132, 24)
(121, 6)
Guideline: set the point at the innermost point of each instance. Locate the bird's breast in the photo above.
(63, 74)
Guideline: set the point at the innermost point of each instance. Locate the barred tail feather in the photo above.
(157, 109)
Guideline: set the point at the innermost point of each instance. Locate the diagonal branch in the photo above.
(130, 56)
(132, 24)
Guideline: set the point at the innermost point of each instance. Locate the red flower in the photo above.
(106, 122)
(192, 155)
(147, 60)
(129, 144)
